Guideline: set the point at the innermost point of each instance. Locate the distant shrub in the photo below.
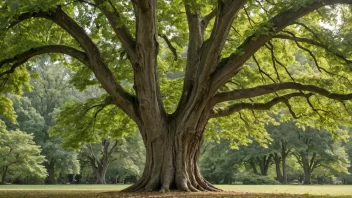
(258, 179)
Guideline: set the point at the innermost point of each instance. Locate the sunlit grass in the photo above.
(109, 191)
(292, 189)
(70, 187)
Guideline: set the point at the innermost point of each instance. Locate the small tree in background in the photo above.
(19, 154)
(97, 129)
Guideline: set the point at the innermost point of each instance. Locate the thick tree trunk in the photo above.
(306, 168)
(100, 173)
(172, 163)
(100, 178)
(307, 176)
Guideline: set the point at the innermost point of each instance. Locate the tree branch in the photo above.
(207, 18)
(313, 42)
(299, 159)
(262, 71)
(25, 56)
(271, 88)
(312, 160)
(202, 56)
(122, 98)
(225, 111)
(229, 66)
(113, 148)
(226, 13)
(122, 32)
(171, 47)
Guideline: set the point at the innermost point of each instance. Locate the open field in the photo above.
(110, 191)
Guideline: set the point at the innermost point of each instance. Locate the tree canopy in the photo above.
(171, 66)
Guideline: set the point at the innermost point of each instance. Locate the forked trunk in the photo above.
(172, 164)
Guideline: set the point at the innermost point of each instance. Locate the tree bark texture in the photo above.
(172, 159)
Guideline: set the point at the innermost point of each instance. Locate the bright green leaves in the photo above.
(313, 50)
(20, 154)
(17, 6)
(239, 126)
(6, 108)
(88, 122)
(14, 83)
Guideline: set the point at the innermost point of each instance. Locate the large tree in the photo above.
(240, 60)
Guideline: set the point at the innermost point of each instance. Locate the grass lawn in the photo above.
(110, 191)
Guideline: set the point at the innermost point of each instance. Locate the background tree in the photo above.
(258, 157)
(239, 58)
(99, 132)
(317, 148)
(131, 158)
(282, 146)
(19, 154)
(34, 112)
(100, 156)
(218, 163)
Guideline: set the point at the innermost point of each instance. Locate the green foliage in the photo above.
(259, 180)
(172, 22)
(28, 119)
(321, 150)
(129, 160)
(218, 163)
(34, 115)
(88, 122)
(239, 127)
(6, 108)
(19, 154)
(279, 60)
